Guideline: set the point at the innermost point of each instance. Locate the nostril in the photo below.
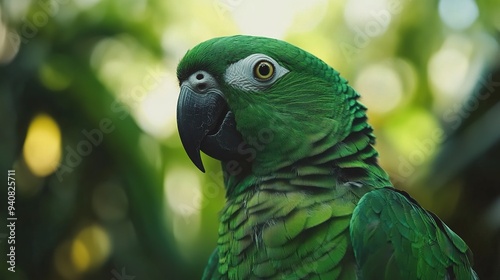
(200, 76)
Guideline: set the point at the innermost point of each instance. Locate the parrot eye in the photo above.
(253, 73)
(263, 70)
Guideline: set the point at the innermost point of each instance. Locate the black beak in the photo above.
(205, 121)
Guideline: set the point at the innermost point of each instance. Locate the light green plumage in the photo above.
(311, 202)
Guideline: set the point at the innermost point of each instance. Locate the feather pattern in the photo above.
(309, 200)
(389, 227)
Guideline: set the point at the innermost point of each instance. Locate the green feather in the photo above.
(311, 202)
(428, 253)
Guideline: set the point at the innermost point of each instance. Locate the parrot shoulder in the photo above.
(393, 237)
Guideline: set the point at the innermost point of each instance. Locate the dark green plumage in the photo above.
(390, 230)
(306, 198)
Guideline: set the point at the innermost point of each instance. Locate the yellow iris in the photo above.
(263, 70)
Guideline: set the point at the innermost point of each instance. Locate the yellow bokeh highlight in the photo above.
(80, 255)
(62, 261)
(42, 147)
(90, 248)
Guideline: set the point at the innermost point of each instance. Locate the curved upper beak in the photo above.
(204, 120)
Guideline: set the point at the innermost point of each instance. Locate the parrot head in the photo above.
(259, 100)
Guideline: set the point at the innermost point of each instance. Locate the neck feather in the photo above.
(331, 162)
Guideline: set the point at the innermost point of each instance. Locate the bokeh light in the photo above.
(110, 202)
(9, 43)
(42, 147)
(55, 74)
(381, 87)
(276, 19)
(368, 16)
(458, 14)
(87, 251)
(449, 67)
(184, 196)
(90, 248)
(156, 112)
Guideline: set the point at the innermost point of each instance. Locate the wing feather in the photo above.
(393, 237)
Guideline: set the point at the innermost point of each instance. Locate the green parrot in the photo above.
(306, 198)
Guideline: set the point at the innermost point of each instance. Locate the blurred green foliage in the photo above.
(117, 197)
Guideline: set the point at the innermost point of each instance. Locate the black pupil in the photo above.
(264, 69)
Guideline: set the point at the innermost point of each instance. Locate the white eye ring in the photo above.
(243, 73)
